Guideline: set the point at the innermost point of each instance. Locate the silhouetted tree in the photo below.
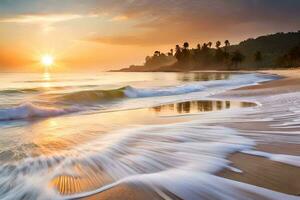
(292, 58)
(204, 47)
(197, 54)
(209, 44)
(171, 53)
(226, 54)
(159, 59)
(186, 45)
(178, 52)
(185, 52)
(237, 57)
(258, 57)
(283, 61)
(219, 55)
(294, 53)
(205, 56)
(147, 59)
(227, 44)
(156, 53)
(218, 44)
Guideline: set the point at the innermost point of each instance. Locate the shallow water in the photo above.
(189, 107)
(65, 135)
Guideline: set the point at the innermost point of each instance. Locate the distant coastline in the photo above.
(275, 51)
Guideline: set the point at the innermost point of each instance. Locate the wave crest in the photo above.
(94, 96)
(29, 110)
(132, 92)
(91, 96)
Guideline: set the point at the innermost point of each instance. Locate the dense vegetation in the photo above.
(270, 51)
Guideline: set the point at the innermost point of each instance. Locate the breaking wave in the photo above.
(90, 96)
(132, 92)
(82, 99)
(31, 110)
(28, 111)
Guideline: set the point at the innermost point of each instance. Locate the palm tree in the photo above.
(186, 45)
(227, 43)
(226, 54)
(171, 52)
(177, 48)
(157, 53)
(177, 52)
(185, 53)
(218, 44)
(209, 44)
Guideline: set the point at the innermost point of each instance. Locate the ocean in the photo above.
(66, 136)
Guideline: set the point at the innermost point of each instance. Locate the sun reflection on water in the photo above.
(47, 80)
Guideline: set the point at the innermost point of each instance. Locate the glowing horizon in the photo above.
(110, 35)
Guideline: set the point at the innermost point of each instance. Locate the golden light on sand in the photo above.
(47, 60)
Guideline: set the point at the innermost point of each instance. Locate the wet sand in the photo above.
(262, 171)
(128, 192)
(256, 170)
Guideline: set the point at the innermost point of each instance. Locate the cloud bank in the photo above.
(164, 21)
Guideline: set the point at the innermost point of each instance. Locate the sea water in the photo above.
(66, 136)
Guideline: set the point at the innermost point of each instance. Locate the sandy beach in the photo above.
(142, 100)
(261, 171)
(255, 170)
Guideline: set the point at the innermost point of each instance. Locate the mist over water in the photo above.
(69, 135)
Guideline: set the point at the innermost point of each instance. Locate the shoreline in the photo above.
(208, 70)
(261, 171)
(258, 171)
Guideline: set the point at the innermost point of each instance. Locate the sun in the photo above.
(47, 60)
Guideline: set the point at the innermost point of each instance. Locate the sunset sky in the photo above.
(109, 34)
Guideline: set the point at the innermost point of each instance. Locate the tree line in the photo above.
(211, 56)
(291, 58)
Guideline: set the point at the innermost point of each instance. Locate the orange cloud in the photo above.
(126, 31)
(48, 18)
(120, 18)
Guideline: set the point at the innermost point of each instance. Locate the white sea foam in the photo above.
(179, 158)
(287, 159)
(196, 185)
(29, 110)
(138, 151)
(234, 169)
(215, 86)
(182, 89)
